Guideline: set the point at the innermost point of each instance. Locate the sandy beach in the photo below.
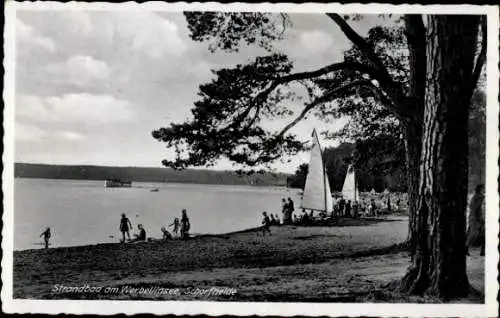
(355, 261)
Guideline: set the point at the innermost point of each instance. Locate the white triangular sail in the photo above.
(349, 190)
(317, 195)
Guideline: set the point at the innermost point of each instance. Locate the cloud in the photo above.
(28, 133)
(149, 34)
(70, 135)
(78, 22)
(83, 109)
(80, 70)
(26, 37)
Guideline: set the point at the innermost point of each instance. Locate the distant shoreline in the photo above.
(144, 174)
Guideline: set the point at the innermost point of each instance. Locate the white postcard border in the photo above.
(490, 308)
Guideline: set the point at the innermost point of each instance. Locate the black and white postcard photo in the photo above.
(251, 159)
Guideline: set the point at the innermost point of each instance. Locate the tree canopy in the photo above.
(228, 116)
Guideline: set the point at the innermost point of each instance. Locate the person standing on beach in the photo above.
(176, 225)
(475, 232)
(291, 208)
(125, 226)
(266, 222)
(284, 211)
(348, 209)
(46, 236)
(341, 206)
(185, 225)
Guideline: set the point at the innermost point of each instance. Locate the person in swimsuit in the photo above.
(141, 236)
(185, 225)
(46, 237)
(166, 234)
(176, 225)
(273, 220)
(277, 218)
(125, 227)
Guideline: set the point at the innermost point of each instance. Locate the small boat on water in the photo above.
(155, 190)
(116, 183)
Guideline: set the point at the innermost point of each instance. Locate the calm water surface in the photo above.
(84, 212)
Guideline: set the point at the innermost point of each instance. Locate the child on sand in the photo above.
(273, 220)
(124, 226)
(176, 226)
(141, 236)
(46, 237)
(266, 222)
(166, 234)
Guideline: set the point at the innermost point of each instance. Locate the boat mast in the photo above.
(324, 182)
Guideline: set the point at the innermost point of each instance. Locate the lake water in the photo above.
(84, 212)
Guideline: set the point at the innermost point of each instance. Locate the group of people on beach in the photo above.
(184, 225)
(475, 230)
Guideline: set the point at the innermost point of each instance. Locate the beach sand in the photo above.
(357, 262)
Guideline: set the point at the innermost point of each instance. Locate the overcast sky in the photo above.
(91, 86)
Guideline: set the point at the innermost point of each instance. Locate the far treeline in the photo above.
(139, 174)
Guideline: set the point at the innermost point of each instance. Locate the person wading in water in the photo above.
(185, 225)
(125, 226)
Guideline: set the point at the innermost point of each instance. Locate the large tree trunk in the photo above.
(416, 38)
(413, 145)
(439, 264)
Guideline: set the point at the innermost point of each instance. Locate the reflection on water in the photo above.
(84, 212)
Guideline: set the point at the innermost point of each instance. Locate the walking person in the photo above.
(46, 236)
(125, 227)
(476, 229)
(185, 225)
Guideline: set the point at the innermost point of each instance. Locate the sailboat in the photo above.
(317, 195)
(349, 190)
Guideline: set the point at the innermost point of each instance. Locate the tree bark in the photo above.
(416, 38)
(439, 264)
(413, 145)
